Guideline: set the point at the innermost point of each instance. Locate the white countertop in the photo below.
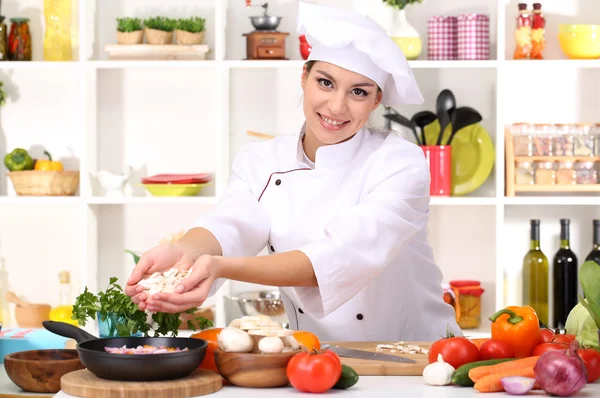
(367, 386)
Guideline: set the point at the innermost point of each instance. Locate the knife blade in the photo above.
(359, 354)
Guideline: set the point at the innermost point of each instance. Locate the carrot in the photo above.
(479, 342)
(481, 371)
(492, 383)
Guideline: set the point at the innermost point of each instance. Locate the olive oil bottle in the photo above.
(535, 276)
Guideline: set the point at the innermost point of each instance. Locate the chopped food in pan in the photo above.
(145, 349)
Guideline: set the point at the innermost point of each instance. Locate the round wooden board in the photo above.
(83, 383)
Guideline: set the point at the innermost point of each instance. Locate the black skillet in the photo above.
(136, 367)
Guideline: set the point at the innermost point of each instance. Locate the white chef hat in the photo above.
(357, 43)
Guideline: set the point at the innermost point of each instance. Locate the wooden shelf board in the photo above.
(558, 188)
(557, 158)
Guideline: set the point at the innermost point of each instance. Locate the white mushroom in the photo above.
(270, 345)
(235, 340)
(291, 342)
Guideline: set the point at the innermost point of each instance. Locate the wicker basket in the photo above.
(45, 183)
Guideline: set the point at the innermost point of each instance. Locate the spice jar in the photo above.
(545, 173)
(542, 139)
(522, 139)
(586, 173)
(595, 132)
(524, 173)
(3, 40)
(583, 140)
(467, 303)
(565, 173)
(19, 40)
(562, 142)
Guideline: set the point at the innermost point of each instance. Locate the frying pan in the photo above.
(135, 367)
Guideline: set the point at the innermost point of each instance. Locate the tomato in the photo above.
(210, 335)
(308, 340)
(496, 349)
(545, 347)
(314, 372)
(563, 338)
(591, 358)
(547, 336)
(456, 351)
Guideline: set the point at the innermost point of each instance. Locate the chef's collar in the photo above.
(336, 154)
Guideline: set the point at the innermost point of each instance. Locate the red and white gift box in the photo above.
(442, 41)
(473, 37)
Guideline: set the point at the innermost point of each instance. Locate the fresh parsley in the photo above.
(116, 304)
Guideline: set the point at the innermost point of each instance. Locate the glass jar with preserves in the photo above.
(19, 40)
(3, 40)
(524, 173)
(545, 173)
(522, 139)
(596, 134)
(467, 303)
(523, 33)
(583, 140)
(565, 173)
(586, 173)
(542, 139)
(562, 142)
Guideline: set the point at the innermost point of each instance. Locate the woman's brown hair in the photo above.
(310, 64)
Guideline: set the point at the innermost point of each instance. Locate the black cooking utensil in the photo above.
(422, 119)
(461, 118)
(398, 118)
(136, 367)
(445, 105)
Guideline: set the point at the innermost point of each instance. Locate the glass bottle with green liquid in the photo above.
(535, 276)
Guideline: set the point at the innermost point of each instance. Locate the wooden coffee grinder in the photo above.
(265, 42)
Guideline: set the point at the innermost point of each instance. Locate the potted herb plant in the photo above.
(403, 33)
(130, 31)
(159, 30)
(190, 30)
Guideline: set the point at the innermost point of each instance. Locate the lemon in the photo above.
(63, 314)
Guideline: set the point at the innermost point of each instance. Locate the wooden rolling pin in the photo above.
(259, 135)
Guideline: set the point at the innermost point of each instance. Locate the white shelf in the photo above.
(109, 114)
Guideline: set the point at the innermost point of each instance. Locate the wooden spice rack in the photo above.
(511, 188)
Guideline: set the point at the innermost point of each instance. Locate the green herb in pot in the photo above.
(192, 25)
(161, 23)
(128, 24)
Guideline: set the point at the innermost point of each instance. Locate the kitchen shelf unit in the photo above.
(106, 226)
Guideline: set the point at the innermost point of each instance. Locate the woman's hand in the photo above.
(161, 258)
(192, 291)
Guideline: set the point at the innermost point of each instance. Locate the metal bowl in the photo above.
(262, 302)
(267, 22)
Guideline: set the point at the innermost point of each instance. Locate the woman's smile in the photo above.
(332, 124)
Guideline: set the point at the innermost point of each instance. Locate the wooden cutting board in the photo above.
(83, 383)
(365, 367)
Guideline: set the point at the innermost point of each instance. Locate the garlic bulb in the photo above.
(438, 373)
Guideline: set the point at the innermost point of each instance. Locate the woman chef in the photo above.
(341, 208)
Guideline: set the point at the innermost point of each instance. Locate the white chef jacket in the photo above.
(360, 215)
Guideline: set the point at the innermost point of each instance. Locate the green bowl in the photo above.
(174, 189)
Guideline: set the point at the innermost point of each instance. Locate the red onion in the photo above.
(561, 373)
(517, 385)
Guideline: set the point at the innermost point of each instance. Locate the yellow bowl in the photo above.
(579, 41)
(174, 189)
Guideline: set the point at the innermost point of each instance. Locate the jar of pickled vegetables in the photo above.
(3, 40)
(467, 303)
(19, 40)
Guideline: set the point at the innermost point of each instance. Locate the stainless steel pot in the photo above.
(262, 302)
(265, 22)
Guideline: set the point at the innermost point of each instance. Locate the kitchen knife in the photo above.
(359, 354)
